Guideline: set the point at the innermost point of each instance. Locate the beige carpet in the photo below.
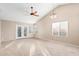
(36, 47)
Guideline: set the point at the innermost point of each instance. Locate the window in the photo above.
(60, 28)
(55, 29)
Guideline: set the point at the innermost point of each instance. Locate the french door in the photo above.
(21, 31)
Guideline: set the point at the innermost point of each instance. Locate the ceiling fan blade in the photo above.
(36, 15)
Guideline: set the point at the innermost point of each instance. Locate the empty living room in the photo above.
(39, 29)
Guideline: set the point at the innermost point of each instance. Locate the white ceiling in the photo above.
(20, 11)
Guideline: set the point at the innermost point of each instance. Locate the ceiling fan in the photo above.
(34, 13)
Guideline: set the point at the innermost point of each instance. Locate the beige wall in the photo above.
(68, 12)
(44, 28)
(8, 30)
(0, 32)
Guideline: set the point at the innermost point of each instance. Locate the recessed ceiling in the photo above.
(21, 11)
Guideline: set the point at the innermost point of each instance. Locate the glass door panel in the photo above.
(25, 31)
(19, 32)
